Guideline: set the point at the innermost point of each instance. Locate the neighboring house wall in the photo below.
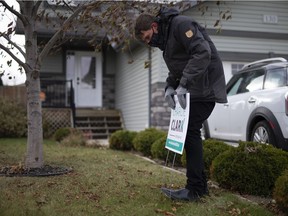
(131, 88)
(257, 30)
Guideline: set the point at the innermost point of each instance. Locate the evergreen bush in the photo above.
(211, 149)
(280, 193)
(13, 119)
(251, 168)
(122, 140)
(159, 151)
(61, 133)
(144, 140)
(48, 130)
(75, 139)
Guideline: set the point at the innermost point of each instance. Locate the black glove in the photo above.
(181, 94)
(169, 97)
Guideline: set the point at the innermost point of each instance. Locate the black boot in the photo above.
(181, 194)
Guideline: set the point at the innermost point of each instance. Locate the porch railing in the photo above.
(58, 94)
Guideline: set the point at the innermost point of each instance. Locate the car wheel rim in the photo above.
(261, 135)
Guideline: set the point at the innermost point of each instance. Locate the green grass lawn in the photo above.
(103, 182)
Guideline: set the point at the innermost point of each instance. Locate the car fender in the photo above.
(206, 129)
(264, 113)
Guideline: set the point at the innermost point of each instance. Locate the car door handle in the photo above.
(251, 100)
(226, 105)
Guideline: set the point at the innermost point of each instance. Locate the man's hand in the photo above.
(181, 94)
(169, 97)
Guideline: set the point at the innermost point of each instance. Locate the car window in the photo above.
(256, 83)
(247, 82)
(234, 88)
(275, 78)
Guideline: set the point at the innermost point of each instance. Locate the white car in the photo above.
(257, 108)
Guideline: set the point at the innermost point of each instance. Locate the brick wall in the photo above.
(108, 91)
(160, 112)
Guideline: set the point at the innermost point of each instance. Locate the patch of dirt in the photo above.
(20, 170)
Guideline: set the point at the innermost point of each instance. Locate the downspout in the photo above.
(149, 85)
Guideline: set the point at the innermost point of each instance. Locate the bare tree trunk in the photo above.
(34, 156)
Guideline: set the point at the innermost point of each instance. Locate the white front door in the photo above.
(85, 69)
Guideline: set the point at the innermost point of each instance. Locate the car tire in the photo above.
(263, 133)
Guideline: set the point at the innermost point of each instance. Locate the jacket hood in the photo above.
(163, 18)
(165, 13)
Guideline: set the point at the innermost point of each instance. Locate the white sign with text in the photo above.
(178, 126)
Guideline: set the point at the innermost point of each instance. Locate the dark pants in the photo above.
(196, 178)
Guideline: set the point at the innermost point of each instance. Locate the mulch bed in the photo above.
(46, 170)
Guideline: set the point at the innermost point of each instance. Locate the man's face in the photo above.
(147, 34)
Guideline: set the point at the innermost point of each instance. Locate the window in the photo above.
(233, 90)
(246, 82)
(275, 78)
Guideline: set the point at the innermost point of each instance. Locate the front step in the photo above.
(98, 124)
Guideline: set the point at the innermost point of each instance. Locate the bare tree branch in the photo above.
(56, 36)
(20, 2)
(21, 63)
(35, 8)
(14, 44)
(67, 5)
(12, 10)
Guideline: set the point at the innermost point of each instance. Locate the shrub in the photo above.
(251, 168)
(280, 193)
(48, 130)
(74, 139)
(122, 140)
(61, 133)
(211, 149)
(13, 119)
(159, 151)
(144, 140)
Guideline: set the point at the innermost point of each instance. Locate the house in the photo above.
(256, 30)
(131, 83)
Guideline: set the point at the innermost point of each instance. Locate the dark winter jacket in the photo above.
(191, 58)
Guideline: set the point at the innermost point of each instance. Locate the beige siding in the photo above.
(156, 64)
(131, 89)
(159, 68)
(250, 45)
(246, 15)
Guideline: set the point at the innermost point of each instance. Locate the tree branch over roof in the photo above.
(56, 36)
(35, 8)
